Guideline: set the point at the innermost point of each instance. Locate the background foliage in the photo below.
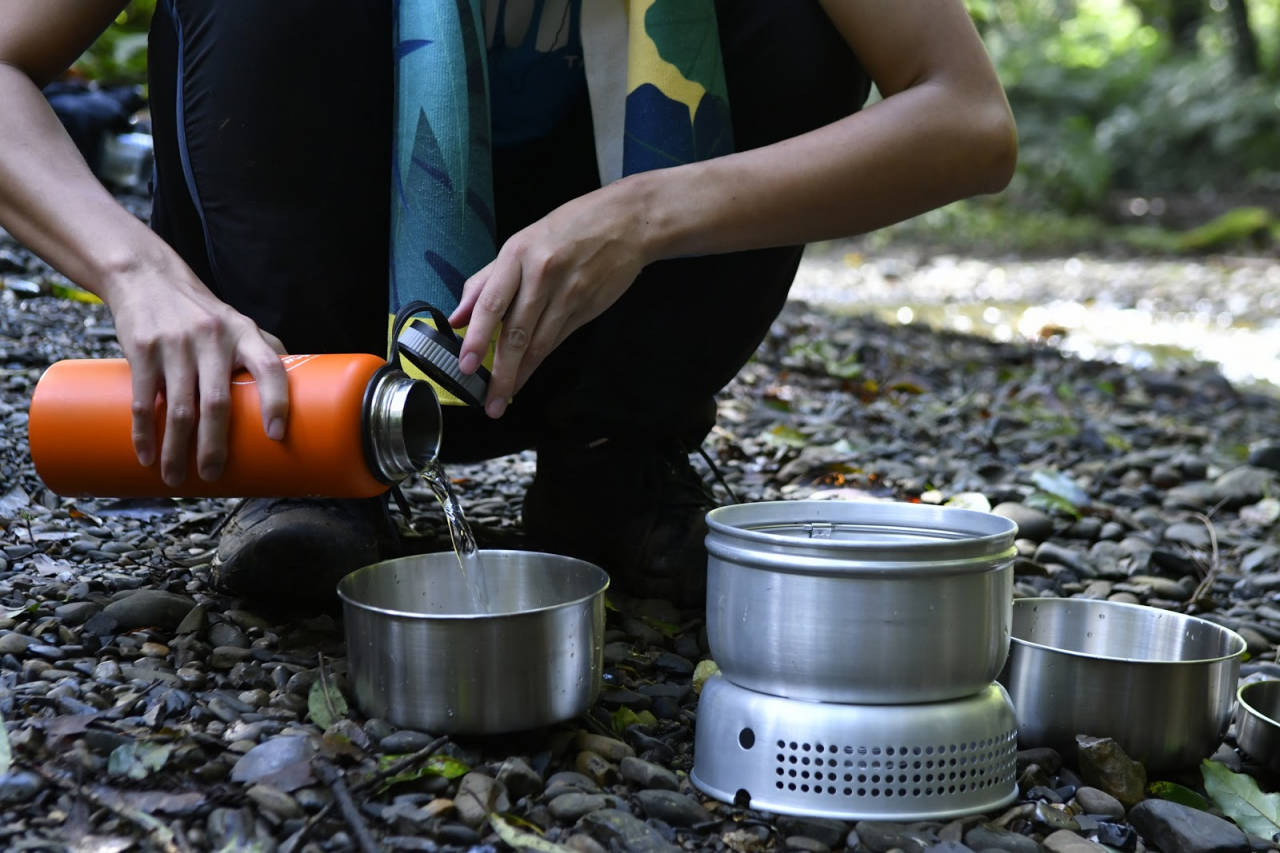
(1116, 100)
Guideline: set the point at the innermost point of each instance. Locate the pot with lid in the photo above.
(851, 602)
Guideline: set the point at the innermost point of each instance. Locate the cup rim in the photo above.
(1233, 638)
(350, 600)
(1252, 709)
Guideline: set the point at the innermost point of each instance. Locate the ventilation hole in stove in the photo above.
(742, 799)
(746, 738)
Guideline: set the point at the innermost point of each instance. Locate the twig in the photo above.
(360, 787)
(330, 775)
(170, 839)
(403, 764)
(324, 690)
(1211, 573)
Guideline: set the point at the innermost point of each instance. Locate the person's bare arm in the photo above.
(179, 338)
(942, 132)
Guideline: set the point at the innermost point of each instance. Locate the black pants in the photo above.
(273, 126)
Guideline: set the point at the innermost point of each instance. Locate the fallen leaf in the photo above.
(704, 670)
(326, 703)
(436, 765)
(138, 760)
(970, 500)
(1242, 800)
(46, 566)
(68, 726)
(149, 802)
(14, 500)
(524, 840)
(1262, 514)
(1176, 793)
(1059, 484)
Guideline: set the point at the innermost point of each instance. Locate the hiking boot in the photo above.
(290, 553)
(635, 508)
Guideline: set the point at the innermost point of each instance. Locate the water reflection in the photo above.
(1142, 313)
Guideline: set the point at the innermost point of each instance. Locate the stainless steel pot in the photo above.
(870, 603)
(1160, 683)
(1258, 721)
(419, 656)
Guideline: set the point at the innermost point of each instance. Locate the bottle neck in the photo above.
(402, 425)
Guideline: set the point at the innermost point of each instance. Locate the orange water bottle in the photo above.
(357, 425)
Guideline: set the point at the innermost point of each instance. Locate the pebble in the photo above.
(1099, 803)
(19, 786)
(1065, 841)
(569, 808)
(882, 836)
(623, 832)
(989, 837)
(674, 808)
(826, 830)
(1175, 828)
(646, 774)
(150, 608)
(404, 742)
(607, 748)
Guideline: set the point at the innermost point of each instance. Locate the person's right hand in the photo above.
(183, 343)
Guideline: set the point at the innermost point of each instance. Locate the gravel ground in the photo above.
(145, 712)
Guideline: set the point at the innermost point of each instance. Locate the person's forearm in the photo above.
(52, 203)
(911, 153)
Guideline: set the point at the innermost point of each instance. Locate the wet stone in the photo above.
(569, 808)
(1120, 836)
(948, 847)
(19, 786)
(75, 612)
(1053, 818)
(519, 778)
(1175, 828)
(1064, 841)
(623, 832)
(1104, 765)
(673, 663)
(827, 830)
(646, 774)
(15, 644)
(804, 844)
(987, 836)
(672, 807)
(882, 836)
(150, 608)
(1099, 803)
(404, 742)
(478, 797)
(275, 801)
(608, 748)
(568, 781)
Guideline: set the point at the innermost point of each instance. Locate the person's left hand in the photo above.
(548, 280)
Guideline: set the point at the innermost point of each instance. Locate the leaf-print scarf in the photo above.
(665, 106)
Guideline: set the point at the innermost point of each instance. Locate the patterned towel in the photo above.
(665, 106)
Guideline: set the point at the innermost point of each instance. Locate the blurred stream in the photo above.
(1146, 312)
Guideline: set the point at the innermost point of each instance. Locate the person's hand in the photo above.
(182, 342)
(546, 282)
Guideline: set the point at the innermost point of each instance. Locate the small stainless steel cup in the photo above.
(1161, 684)
(419, 656)
(1258, 721)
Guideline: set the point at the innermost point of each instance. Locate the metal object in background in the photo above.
(420, 657)
(1161, 684)
(929, 761)
(1258, 721)
(127, 161)
(873, 603)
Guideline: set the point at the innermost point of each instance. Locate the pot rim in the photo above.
(1253, 710)
(1014, 640)
(900, 538)
(348, 600)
